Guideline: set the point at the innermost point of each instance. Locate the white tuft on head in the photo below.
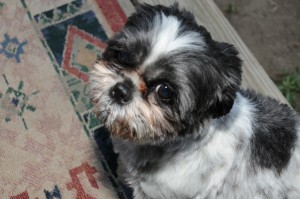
(166, 38)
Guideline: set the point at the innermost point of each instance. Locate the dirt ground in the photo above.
(270, 28)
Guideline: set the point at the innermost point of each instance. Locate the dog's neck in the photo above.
(215, 135)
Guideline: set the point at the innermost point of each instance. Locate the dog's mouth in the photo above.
(121, 128)
(117, 127)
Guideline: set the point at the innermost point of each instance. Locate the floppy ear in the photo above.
(230, 68)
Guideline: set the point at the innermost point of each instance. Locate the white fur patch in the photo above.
(220, 167)
(206, 165)
(166, 38)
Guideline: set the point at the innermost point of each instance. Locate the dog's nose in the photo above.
(121, 93)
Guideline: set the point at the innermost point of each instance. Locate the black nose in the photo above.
(121, 93)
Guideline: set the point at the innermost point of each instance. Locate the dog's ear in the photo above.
(230, 68)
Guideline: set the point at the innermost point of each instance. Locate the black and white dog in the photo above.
(170, 96)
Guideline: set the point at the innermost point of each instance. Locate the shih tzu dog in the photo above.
(170, 96)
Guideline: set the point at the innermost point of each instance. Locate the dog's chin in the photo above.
(123, 132)
(121, 129)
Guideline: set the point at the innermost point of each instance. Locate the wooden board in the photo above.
(209, 15)
(127, 6)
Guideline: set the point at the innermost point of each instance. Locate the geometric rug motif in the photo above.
(14, 102)
(74, 38)
(47, 128)
(11, 47)
(44, 151)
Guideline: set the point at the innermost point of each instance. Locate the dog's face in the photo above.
(163, 76)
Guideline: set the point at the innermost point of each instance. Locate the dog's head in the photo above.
(162, 76)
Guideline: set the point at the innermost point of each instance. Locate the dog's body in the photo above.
(170, 97)
(224, 163)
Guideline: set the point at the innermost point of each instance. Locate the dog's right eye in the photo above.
(164, 92)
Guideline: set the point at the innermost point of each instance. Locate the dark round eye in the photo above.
(117, 55)
(122, 56)
(164, 92)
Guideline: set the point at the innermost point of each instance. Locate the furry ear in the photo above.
(230, 67)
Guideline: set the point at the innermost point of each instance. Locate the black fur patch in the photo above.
(274, 132)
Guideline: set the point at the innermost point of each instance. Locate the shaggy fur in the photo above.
(170, 96)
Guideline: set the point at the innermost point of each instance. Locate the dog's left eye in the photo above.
(118, 55)
(122, 57)
(164, 92)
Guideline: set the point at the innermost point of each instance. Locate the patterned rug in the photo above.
(51, 145)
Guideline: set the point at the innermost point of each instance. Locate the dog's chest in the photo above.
(190, 173)
(175, 180)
